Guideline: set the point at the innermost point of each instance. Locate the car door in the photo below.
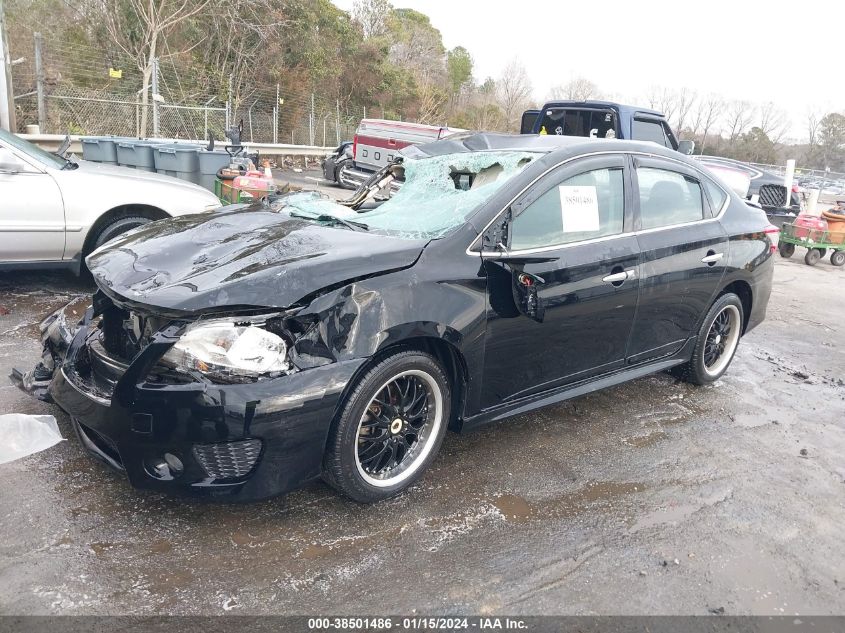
(562, 296)
(32, 216)
(683, 253)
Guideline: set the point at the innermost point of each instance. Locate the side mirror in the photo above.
(9, 163)
(686, 147)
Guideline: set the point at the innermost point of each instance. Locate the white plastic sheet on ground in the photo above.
(22, 435)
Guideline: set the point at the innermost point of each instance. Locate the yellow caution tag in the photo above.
(115, 73)
(543, 129)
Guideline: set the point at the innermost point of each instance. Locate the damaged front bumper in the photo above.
(246, 441)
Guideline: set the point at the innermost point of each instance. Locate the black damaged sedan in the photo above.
(243, 353)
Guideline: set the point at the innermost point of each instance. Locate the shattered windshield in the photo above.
(438, 194)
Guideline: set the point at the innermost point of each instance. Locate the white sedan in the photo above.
(54, 211)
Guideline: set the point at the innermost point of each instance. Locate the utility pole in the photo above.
(39, 85)
(7, 104)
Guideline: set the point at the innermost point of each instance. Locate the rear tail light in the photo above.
(774, 235)
(795, 188)
(355, 147)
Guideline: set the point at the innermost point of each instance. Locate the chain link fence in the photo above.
(77, 90)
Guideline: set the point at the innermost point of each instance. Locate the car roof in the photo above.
(539, 143)
(628, 109)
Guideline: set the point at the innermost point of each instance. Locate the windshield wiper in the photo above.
(324, 217)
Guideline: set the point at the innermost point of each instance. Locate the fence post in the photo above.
(337, 120)
(787, 181)
(365, 112)
(311, 122)
(7, 103)
(276, 117)
(39, 85)
(229, 112)
(156, 97)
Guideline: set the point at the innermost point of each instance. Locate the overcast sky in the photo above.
(740, 49)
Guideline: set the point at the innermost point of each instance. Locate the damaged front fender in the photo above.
(57, 331)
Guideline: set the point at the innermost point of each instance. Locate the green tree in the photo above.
(459, 68)
(832, 141)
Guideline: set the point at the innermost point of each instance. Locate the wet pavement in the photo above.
(653, 497)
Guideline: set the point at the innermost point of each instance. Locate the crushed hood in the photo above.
(244, 257)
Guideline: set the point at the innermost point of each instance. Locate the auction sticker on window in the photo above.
(579, 208)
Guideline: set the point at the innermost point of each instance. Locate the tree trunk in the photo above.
(145, 87)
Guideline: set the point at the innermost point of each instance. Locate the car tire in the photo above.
(786, 250)
(837, 258)
(117, 227)
(717, 341)
(389, 427)
(340, 176)
(812, 257)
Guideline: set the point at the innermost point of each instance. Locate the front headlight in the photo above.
(229, 349)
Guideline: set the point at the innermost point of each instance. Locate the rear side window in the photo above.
(668, 197)
(584, 207)
(717, 196)
(646, 130)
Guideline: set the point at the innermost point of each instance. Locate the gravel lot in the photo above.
(650, 498)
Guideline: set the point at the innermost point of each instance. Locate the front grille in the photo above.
(773, 196)
(228, 460)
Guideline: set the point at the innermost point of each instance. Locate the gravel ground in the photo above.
(654, 497)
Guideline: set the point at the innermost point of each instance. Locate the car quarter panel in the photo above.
(751, 256)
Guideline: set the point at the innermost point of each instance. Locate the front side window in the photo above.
(645, 130)
(668, 197)
(583, 207)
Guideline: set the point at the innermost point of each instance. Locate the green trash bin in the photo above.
(180, 160)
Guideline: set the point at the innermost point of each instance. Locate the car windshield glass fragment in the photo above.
(33, 151)
(438, 194)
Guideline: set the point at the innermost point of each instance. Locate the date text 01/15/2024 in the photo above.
(415, 623)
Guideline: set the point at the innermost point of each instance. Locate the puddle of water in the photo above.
(161, 546)
(516, 509)
(315, 551)
(101, 548)
(513, 508)
(644, 441)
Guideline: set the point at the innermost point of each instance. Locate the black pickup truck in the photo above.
(602, 119)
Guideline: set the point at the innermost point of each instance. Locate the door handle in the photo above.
(711, 258)
(616, 278)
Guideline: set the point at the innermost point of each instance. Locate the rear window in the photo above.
(574, 122)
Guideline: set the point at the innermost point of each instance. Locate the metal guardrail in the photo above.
(51, 143)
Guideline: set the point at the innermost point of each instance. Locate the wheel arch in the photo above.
(445, 352)
(123, 210)
(742, 289)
